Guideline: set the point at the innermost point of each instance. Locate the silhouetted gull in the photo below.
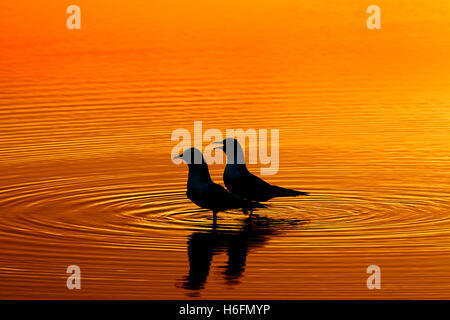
(206, 194)
(246, 185)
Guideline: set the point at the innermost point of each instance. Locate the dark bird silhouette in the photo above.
(206, 194)
(246, 185)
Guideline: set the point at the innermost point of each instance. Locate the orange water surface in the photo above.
(86, 118)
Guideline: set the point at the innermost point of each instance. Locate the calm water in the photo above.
(86, 177)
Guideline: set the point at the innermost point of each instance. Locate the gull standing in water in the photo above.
(246, 185)
(206, 194)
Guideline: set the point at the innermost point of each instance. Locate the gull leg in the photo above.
(214, 219)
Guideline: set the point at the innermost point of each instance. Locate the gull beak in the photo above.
(219, 142)
(180, 156)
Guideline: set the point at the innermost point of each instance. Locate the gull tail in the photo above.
(283, 192)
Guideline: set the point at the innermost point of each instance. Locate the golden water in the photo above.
(86, 178)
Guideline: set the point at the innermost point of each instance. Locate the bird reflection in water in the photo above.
(202, 246)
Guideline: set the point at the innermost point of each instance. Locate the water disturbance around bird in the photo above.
(87, 177)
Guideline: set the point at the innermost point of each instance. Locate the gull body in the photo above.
(203, 192)
(240, 181)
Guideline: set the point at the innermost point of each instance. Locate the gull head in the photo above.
(227, 143)
(191, 156)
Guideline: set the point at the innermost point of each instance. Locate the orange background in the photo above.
(86, 118)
